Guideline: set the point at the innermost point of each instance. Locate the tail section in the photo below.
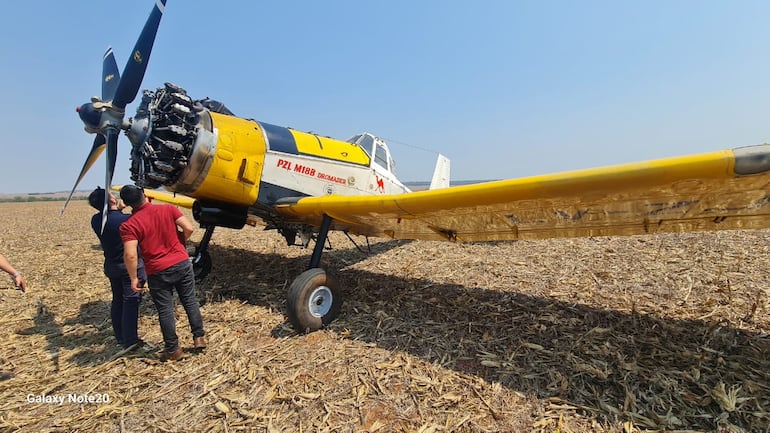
(440, 173)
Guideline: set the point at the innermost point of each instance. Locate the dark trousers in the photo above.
(124, 309)
(162, 284)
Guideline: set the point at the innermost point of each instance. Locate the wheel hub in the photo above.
(320, 301)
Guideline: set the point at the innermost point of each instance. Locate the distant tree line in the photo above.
(27, 198)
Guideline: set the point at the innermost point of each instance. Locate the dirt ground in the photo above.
(656, 333)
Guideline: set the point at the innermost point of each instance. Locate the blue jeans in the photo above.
(162, 284)
(124, 309)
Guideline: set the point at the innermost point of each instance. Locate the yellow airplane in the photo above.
(234, 171)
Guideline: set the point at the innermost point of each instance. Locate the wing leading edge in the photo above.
(712, 191)
(167, 197)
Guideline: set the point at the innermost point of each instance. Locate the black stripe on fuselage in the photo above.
(279, 139)
(270, 193)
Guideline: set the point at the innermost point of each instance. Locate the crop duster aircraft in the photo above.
(234, 171)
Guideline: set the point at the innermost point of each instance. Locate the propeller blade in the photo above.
(134, 71)
(93, 155)
(110, 75)
(112, 155)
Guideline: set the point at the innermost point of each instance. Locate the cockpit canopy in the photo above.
(375, 146)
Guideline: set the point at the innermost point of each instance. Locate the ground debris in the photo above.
(658, 333)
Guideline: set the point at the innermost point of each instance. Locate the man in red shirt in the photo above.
(153, 229)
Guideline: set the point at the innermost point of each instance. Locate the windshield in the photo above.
(354, 139)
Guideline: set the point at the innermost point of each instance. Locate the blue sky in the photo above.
(503, 88)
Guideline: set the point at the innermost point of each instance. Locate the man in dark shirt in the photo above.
(124, 310)
(154, 229)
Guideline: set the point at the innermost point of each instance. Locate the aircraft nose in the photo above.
(89, 115)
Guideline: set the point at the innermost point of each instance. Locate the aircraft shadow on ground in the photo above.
(90, 333)
(244, 274)
(619, 365)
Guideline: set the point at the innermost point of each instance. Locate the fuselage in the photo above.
(200, 149)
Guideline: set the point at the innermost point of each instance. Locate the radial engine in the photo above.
(172, 138)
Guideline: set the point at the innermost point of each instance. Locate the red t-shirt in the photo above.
(154, 227)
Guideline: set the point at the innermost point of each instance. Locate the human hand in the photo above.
(18, 280)
(137, 285)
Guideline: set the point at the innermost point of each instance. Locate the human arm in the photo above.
(18, 279)
(131, 259)
(187, 228)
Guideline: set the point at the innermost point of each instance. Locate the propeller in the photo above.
(110, 75)
(93, 155)
(110, 78)
(133, 73)
(105, 117)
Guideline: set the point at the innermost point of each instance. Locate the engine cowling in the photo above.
(195, 147)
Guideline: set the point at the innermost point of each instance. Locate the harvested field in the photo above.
(665, 333)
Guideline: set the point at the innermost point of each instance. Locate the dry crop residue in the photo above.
(627, 334)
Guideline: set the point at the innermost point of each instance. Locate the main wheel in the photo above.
(314, 300)
(202, 266)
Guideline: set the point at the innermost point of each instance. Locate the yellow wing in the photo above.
(712, 191)
(168, 197)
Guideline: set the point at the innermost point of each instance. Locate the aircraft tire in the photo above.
(313, 301)
(202, 267)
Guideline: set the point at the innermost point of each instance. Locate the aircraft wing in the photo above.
(170, 197)
(164, 196)
(712, 191)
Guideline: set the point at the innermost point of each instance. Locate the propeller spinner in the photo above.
(105, 117)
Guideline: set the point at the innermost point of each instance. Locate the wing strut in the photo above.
(368, 246)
